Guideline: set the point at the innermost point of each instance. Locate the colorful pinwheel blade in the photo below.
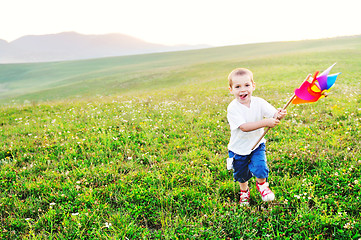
(298, 100)
(322, 78)
(304, 92)
(331, 79)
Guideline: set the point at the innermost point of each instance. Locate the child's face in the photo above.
(242, 88)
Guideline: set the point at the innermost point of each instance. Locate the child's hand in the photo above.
(280, 114)
(271, 122)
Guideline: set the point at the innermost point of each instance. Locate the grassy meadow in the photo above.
(135, 147)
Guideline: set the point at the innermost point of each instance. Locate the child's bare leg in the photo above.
(243, 186)
(261, 180)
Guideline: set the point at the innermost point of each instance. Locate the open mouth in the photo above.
(243, 96)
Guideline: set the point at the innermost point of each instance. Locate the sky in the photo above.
(172, 22)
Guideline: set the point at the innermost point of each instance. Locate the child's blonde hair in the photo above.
(240, 72)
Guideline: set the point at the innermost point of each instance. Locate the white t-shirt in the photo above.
(237, 114)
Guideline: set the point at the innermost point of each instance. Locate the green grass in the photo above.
(145, 158)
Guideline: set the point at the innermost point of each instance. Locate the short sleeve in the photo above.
(267, 109)
(235, 118)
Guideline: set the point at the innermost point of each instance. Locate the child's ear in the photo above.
(230, 89)
(254, 86)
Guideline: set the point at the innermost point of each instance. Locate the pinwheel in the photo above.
(311, 90)
(314, 88)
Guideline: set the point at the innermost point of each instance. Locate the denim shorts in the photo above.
(247, 166)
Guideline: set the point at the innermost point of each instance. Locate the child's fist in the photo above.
(272, 122)
(281, 113)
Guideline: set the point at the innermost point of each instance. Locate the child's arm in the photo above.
(251, 126)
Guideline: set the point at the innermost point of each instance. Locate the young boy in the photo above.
(246, 116)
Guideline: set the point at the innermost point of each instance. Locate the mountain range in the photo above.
(74, 46)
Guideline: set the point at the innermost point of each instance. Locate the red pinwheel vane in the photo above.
(311, 90)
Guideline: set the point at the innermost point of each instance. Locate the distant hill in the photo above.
(277, 61)
(75, 46)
